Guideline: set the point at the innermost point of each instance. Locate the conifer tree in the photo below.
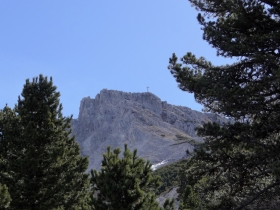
(44, 169)
(125, 183)
(241, 160)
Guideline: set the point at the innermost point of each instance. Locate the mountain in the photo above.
(141, 120)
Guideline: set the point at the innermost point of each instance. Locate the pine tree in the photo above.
(125, 183)
(44, 169)
(241, 159)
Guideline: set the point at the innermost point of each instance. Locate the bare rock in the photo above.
(171, 194)
(141, 120)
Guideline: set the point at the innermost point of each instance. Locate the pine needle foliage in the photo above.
(44, 169)
(126, 183)
(240, 160)
(5, 197)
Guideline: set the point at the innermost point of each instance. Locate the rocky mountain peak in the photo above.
(140, 120)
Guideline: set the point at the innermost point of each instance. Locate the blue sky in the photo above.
(90, 45)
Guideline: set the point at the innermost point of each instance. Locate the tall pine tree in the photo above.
(44, 169)
(240, 160)
(125, 183)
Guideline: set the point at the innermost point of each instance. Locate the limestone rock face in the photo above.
(141, 120)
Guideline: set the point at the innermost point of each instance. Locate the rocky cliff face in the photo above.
(140, 120)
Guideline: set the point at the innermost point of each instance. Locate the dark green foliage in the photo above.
(190, 199)
(126, 183)
(43, 163)
(173, 175)
(241, 160)
(169, 176)
(5, 197)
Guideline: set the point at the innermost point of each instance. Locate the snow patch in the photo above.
(156, 166)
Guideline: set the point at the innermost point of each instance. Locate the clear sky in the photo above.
(91, 44)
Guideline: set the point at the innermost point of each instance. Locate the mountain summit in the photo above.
(141, 120)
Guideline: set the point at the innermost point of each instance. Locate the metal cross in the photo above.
(147, 89)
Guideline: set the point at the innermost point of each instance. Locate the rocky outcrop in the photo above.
(171, 194)
(140, 120)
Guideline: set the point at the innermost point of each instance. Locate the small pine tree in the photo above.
(125, 184)
(43, 163)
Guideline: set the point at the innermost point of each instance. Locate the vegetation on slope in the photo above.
(170, 175)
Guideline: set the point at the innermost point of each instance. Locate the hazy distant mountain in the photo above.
(140, 120)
